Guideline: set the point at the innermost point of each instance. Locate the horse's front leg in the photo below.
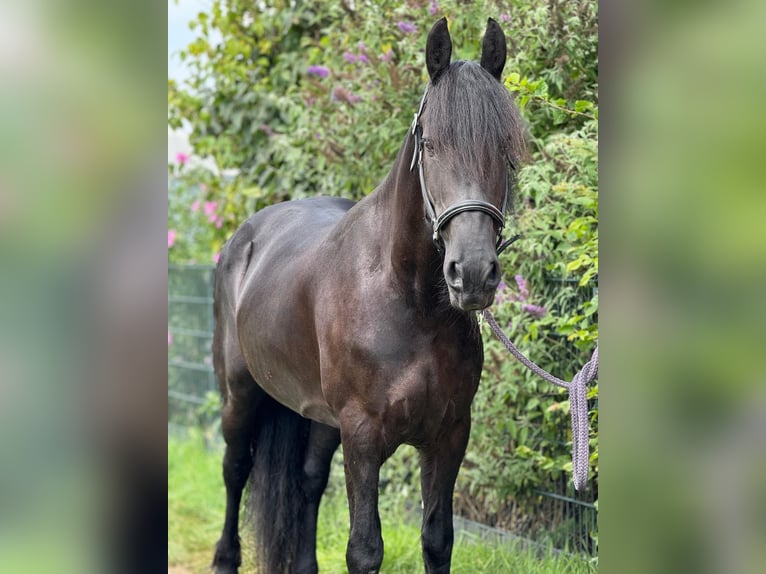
(439, 465)
(363, 454)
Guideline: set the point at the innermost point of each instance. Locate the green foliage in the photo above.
(198, 218)
(278, 127)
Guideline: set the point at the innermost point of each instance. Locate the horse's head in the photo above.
(468, 138)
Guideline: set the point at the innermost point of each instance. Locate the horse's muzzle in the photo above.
(472, 284)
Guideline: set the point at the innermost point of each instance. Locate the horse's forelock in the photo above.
(472, 120)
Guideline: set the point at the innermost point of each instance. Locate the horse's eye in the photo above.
(429, 145)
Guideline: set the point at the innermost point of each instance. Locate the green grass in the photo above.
(196, 499)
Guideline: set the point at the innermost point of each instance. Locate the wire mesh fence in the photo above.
(191, 382)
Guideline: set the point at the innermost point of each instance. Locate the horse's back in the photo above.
(281, 232)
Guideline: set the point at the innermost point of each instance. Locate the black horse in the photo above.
(354, 324)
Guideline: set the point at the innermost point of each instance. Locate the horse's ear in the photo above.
(438, 49)
(493, 49)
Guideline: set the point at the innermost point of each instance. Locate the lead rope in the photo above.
(578, 405)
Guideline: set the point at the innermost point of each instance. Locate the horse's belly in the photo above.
(319, 411)
(290, 385)
(297, 395)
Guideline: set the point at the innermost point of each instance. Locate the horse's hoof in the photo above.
(219, 568)
(226, 560)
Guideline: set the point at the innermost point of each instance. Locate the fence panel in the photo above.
(190, 334)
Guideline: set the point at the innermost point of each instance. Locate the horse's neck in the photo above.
(411, 254)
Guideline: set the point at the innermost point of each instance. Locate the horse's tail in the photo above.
(275, 500)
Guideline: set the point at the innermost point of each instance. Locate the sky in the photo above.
(180, 13)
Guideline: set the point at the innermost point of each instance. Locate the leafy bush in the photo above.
(292, 99)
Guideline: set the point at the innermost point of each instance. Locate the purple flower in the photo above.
(406, 27)
(171, 237)
(170, 338)
(433, 8)
(349, 57)
(504, 17)
(362, 59)
(522, 284)
(182, 158)
(341, 94)
(500, 293)
(362, 47)
(387, 55)
(195, 205)
(210, 207)
(320, 71)
(216, 257)
(534, 310)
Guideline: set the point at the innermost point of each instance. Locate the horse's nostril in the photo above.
(452, 275)
(493, 275)
(494, 271)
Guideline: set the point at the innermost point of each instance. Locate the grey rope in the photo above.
(578, 404)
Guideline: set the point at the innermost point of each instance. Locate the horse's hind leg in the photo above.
(322, 443)
(241, 399)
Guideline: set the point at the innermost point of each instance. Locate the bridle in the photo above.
(438, 222)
